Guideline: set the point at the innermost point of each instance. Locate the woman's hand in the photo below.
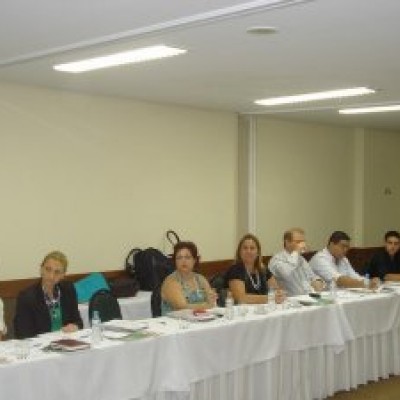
(212, 297)
(374, 283)
(69, 328)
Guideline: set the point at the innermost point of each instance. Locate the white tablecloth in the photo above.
(302, 354)
(132, 308)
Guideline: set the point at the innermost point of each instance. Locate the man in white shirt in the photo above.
(331, 263)
(291, 269)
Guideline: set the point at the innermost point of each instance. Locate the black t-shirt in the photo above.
(238, 271)
(382, 264)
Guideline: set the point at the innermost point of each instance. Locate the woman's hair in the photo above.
(258, 262)
(58, 256)
(189, 246)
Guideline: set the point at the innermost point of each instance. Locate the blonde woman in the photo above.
(50, 304)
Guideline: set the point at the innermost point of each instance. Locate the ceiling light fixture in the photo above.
(126, 57)
(374, 109)
(300, 98)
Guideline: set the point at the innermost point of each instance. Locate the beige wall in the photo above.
(304, 178)
(382, 184)
(95, 176)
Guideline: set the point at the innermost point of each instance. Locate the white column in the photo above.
(247, 184)
(358, 187)
(252, 175)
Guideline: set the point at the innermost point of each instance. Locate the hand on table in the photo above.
(69, 328)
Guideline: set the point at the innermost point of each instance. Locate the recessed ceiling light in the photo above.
(299, 98)
(261, 30)
(126, 57)
(374, 109)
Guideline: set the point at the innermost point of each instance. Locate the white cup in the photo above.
(21, 349)
(260, 309)
(243, 310)
(183, 323)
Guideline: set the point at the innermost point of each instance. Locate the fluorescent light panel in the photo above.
(126, 57)
(300, 98)
(375, 109)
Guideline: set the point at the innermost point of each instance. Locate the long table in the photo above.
(306, 353)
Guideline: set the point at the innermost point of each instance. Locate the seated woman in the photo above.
(3, 328)
(50, 304)
(247, 279)
(184, 288)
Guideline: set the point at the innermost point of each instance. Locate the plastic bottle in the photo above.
(271, 303)
(333, 289)
(97, 335)
(366, 281)
(229, 310)
(307, 288)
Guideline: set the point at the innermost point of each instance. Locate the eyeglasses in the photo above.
(179, 258)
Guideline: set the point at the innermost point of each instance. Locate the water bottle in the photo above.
(366, 281)
(97, 335)
(271, 303)
(307, 288)
(333, 289)
(229, 310)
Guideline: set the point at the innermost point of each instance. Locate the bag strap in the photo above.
(172, 237)
(130, 260)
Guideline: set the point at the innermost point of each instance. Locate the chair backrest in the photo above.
(217, 282)
(106, 304)
(85, 288)
(156, 301)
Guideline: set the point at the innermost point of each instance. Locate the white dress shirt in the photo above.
(328, 268)
(292, 271)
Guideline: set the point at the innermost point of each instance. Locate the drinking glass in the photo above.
(21, 349)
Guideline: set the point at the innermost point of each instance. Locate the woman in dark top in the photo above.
(49, 305)
(247, 279)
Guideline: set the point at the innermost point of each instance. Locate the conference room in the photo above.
(205, 140)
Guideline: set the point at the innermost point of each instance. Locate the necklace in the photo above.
(53, 303)
(256, 284)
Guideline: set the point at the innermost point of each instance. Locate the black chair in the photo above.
(155, 301)
(106, 304)
(217, 282)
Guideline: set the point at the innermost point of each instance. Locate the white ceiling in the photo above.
(320, 45)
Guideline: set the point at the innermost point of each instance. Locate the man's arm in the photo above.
(322, 267)
(280, 267)
(316, 282)
(349, 282)
(392, 277)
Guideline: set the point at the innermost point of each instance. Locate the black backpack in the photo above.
(149, 266)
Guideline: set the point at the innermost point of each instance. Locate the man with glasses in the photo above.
(385, 264)
(331, 263)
